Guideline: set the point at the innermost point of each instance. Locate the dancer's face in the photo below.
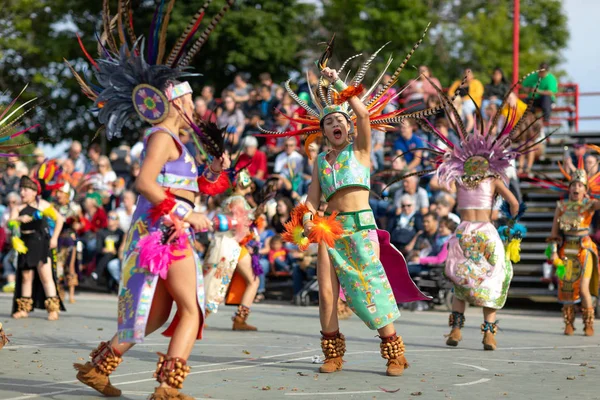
(336, 129)
(577, 191)
(28, 195)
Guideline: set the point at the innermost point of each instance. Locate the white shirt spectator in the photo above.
(284, 163)
(420, 198)
(124, 218)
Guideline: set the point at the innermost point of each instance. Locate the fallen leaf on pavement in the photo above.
(301, 374)
(245, 352)
(498, 374)
(567, 358)
(416, 393)
(266, 388)
(281, 388)
(389, 391)
(570, 378)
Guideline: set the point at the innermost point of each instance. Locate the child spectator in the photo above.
(278, 257)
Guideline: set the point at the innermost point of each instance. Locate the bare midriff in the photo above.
(476, 215)
(349, 199)
(186, 194)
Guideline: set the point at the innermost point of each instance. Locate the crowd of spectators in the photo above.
(418, 212)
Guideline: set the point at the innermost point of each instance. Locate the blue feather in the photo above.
(505, 209)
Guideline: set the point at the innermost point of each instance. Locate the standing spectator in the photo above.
(418, 91)
(203, 112)
(125, 212)
(472, 87)
(77, 157)
(290, 163)
(266, 80)
(232, 118)
(409, 141)
(546, 94)
(240, 88)
(498, 86)
(94, 153)
(9, 260)
(39, 158)
(110, 246)
(419, 197)
(10, 180)
(257, 159)
(208, 94)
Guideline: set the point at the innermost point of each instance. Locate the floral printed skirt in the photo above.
(361, 274)
(220, 263)
(478, 266)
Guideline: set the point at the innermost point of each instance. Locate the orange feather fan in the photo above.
(294, 230)
(326, 229)
(347, 93)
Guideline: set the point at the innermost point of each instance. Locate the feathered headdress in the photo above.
(134, 78)
(486, 152)
(592, 183)
(329, 100)
(10, 118)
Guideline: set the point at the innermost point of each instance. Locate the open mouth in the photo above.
(337, 133)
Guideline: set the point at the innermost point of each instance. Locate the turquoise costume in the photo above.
(372, 285)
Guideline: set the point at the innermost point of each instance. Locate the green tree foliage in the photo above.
(277, 36)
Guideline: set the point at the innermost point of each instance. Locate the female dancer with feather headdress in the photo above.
(160, 265)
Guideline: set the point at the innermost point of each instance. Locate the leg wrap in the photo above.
(105, 358)
(52, 304)
(171, 370)
(456, 320)
(25, 304)
(333, 344)
(491, 327)
(3, 337)
(392, 347)
(588, 321)
(72, 280)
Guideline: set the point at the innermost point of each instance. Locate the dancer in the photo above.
(69, 248)
(160, 265)
(362, 259)
(477, 264)
(36, 280)
(228, 253)
(571, 249)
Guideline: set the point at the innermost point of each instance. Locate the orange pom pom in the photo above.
(294, 232)
(326, 229)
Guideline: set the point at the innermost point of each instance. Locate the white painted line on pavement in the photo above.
(482, 380)
(340, 393)
(472, 366)
(527, 361)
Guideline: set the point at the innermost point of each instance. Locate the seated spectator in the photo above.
(466, 111)
(266, 80)
(282, 125)
(571, 158)
(109, 252)
(289, 107)
(267, 104)
(278, 258)
(309, 163)
(439, 252)
(252, 106)
(418, 91)
(530, 136)
(546, 94)
(406, 143)
(423, 241)
(75, 154)
(105, 177)
(39, 159)
(208, 94)
(444, 204)
(120, 160)
(406, 224)
(498, 86)
(591, 164)
(126, 210)
(10, 181)
(443, 127)
(254, 159)
(240, 89)
(94, 153)
(410, 187)
(472, 88)
(203, 111)
(134, 172)
(282, 214)
(289, 165)
(377, 152)
(232, 118)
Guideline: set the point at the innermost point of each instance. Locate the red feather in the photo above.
(214, 188)
(86, 53)
(162, 208)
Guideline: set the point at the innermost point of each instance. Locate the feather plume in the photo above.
(162, 43)
(157, 256)
(326, 229)
(191, 28)
(107, 25)
(204, 35)
(19, 245)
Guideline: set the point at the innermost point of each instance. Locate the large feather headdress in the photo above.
(137, 76)
(327, 100)
(485, 152)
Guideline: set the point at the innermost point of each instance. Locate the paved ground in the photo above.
(534, 361)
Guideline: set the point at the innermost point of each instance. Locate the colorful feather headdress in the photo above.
(328, 100)
(592, 183)
(10, 118)
(134, 78)
(486, 152)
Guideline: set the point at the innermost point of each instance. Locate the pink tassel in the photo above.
(155, 256)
